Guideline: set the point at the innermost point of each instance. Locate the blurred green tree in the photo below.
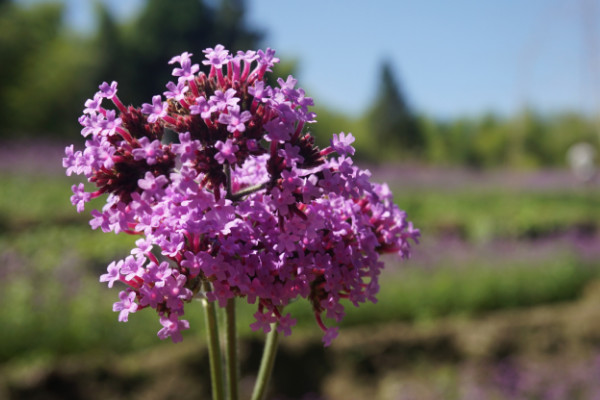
(24, 34)
(436, 149)
(566, 129)
(534, 137)
(109, 46)
(490, 144)
(48, 71)
(392, 123)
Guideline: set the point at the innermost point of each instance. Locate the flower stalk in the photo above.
(266, 364)
(231, 351)
(214, 352)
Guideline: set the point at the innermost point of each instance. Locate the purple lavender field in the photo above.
(499, 301)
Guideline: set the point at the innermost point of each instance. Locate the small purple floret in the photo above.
(216, 57)
(172, 327)
(226, 152)
(342, 144)
(108, 91)
(156, 110)
(126, 305)
(235, 120)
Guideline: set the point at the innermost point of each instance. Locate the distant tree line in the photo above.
(390, 130)
(48, 71)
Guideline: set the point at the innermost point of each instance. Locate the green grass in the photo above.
(51, 302)
(485, 215)
(424, 295)
(28, 200)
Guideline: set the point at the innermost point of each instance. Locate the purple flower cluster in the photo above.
(243, 198)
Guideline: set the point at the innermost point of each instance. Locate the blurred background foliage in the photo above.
(48, 71)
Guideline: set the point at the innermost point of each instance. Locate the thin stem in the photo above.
(266, 364)
(214, 352)
(240, 193)
(231, 353)
(247, 190)
(227, 170)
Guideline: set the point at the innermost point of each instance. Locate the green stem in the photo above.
(214, 352)
(266, 364)
(246, 191)
(231, 353)
(227, 170)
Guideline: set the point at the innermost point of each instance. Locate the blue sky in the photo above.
(459, 57)
(452, 57)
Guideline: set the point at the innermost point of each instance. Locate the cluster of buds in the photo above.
(239, 197)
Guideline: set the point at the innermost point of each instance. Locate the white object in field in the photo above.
(581, 158)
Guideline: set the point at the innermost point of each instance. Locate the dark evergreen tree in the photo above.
(392, 122)
(109, 46)
(231, 29)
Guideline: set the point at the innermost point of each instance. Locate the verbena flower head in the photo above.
(243, 199)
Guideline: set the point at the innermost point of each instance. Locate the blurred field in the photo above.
(497, 282)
